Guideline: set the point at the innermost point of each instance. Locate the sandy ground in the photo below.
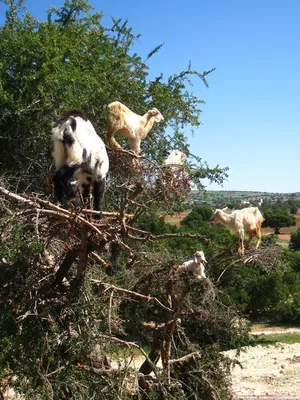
(267, 371)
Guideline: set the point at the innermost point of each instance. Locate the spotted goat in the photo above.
(78, 152)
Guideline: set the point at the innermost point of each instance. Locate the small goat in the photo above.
(248, 220)
(174, 158)
(78, 151)
(195, 266)
(132, 126)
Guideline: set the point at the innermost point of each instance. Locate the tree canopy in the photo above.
(198, 215)
(278, 218)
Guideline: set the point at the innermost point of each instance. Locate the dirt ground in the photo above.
(266, 372)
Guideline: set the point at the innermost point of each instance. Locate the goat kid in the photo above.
(247, 220)
(175, 158)
(196, 266)
(80, 152)
(132, 126)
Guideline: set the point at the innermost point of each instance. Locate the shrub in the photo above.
(294, 243)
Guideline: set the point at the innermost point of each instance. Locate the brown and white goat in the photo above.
(132, 126)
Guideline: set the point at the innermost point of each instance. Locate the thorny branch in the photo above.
(88, 237)
(132, 294)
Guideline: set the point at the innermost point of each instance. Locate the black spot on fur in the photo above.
(70, 113)
(73, 124)
(98, 192)
(62, 186)
(68, 138)
(85, 190)
(86, 164)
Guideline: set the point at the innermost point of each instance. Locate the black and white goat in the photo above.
(80, 152)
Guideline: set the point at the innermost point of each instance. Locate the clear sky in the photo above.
(251, 116)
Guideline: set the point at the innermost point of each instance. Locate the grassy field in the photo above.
(288, 338)
(274, 333)
(176, 218)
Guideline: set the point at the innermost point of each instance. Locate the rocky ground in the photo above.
(272, 371)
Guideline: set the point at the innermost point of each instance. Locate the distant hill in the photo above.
(222, 197)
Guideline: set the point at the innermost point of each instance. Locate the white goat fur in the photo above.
(195, 266)
(174, 158)
(248, 220)
(132, 126)
(78, 151)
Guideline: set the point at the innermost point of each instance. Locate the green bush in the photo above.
(294, 243)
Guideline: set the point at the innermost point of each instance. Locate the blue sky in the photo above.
(250, 119)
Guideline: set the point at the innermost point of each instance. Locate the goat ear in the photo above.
(225, 208)
(203, 258)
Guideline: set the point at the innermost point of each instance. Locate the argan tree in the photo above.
(278, 218)
(80, 297)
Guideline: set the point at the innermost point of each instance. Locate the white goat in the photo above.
(78, 151)
(174, 158)
(248, 220)
(132, 126)
(195, 266)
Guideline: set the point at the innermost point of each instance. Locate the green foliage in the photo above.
(21, 243)
(294, 243)
(278, 218)
(257, 292)
(294, 260)
(198, 215)
(155, 224)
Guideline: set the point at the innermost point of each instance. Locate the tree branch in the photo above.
(150, 236)
(132, 294)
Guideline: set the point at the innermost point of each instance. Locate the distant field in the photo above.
(176, 218)
(284, 236)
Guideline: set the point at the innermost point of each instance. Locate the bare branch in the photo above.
(185, 359)
(150, 236)
(132, 294)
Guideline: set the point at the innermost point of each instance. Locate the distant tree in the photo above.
(293, 209)
(278, 218)
(295, 240)
(198, 215)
